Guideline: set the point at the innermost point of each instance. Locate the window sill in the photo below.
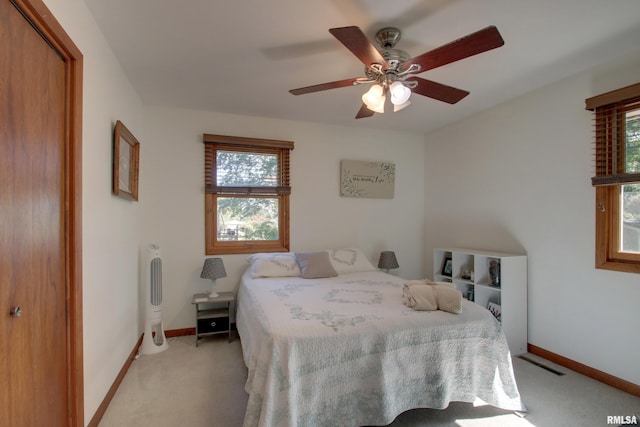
(614, 265)
(247, 248)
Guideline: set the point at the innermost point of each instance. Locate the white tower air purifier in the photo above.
(154, 340)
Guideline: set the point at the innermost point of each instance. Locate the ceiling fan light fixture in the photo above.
(379, 107)
(373, 95)
(399, 93)
(374, 99)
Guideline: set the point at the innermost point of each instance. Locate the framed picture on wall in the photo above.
(367, 179)
(447, 267)
(126, 157)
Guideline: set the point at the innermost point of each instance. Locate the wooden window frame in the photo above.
(213, 192)
(608, 185)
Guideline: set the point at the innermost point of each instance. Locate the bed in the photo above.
(345, 351)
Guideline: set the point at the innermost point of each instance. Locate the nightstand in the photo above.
(211, 321)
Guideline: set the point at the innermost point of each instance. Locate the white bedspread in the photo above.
(345, 351)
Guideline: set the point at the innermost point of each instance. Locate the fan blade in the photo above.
(354, 39)
(325, 86)
(364, 112)
(473, 44)
(438, 91)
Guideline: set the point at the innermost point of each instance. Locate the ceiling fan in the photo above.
(393, 72)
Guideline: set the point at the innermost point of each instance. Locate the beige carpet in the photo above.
(187, 386)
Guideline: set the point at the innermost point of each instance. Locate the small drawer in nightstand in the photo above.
(213, 324)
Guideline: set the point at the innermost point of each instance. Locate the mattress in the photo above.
(345, 351)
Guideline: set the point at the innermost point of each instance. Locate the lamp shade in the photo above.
(373, 95)
(388, 260)
(399, 93)
(374, 99)
(213, 269)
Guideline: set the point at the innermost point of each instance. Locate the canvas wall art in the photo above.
(367, 179)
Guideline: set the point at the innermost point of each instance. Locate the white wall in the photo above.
(110, 225)
(517, 178)
(172, 175)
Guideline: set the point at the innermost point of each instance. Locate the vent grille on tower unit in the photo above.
(156, 282)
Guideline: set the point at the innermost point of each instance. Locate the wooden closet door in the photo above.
(33, 337)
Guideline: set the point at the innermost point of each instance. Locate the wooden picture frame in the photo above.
(447, 267)
(126, 158)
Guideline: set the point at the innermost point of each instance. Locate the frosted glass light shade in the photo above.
(372, 96)
(399, 93)
(374, 99)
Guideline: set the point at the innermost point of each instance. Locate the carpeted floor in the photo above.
(187, 386)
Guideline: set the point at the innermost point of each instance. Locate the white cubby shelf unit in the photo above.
(507, 287)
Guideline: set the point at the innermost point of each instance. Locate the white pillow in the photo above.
(349, 260)
(277, 264)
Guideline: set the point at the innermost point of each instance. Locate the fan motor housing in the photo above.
(387, 39)
(395, 58)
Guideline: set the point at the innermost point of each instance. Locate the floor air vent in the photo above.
(541, 365)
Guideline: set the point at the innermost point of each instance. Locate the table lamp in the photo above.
(213, 269)
(388, 260)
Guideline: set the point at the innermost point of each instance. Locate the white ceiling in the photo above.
(242, 56)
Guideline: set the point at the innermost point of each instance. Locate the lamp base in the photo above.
(213, 294)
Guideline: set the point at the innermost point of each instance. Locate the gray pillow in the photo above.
(315, 265)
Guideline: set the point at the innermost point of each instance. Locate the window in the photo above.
(617, 178)
(246, 195)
